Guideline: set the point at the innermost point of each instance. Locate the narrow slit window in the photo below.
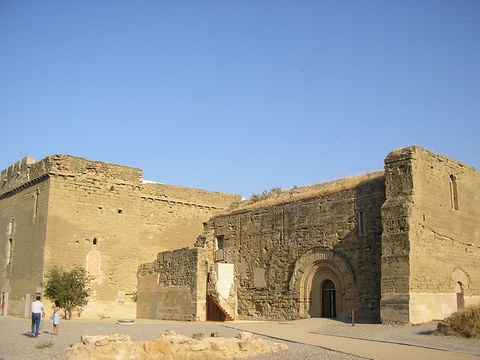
(9, 251)
(361, 223)
(94, 241)
(453, 192)
(11, 227)
(35, 206)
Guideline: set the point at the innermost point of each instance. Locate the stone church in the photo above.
(399, 245)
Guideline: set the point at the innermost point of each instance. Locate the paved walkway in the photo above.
(302, 331)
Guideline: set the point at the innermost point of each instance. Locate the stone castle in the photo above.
(399, 245)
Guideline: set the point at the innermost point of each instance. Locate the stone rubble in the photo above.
(172, 346)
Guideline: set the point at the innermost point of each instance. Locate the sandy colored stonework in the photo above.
(172, 346)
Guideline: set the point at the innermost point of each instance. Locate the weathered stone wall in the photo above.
(403, 245)
(176, 216)
(15, 175)
(174, 286)
(23, 209)
(93, 222)
(396, 214)
(312, 231)
(93, 214)
(431, 236)
(70, 211)
(445, 236)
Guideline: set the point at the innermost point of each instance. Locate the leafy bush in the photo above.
(465, 323)
(70, 287)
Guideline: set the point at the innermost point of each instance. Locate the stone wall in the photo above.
(22, 237)
(396, 214)
(174, 286)
(431, 236)
(176, 216)
(287, 245)
(93, 223)
(71, 211)
(401, 245)
(445, 236)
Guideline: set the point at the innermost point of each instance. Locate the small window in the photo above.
(11, 227)
(9, 251)
(219, 242)
(120, 211)
(361, 223)
(94, 241)
(35, 206)
(453, 192)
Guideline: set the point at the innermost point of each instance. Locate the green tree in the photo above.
(70, 287)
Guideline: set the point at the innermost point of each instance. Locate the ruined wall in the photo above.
(285, 246)
(23, 210)
(174, 286)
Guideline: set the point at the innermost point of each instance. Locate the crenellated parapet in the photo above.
(28, 171)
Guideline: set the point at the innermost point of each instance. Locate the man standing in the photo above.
(37, 314)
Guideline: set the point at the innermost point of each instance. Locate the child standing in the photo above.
(56, 318)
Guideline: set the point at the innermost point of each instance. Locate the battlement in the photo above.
(16, 174)
(28, 170)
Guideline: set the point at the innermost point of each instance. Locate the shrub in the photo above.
(70, 287)
(465, 323)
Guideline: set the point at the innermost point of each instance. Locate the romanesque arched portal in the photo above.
(321, 279)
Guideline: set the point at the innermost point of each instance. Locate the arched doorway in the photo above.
(329, 299)
(310, 275)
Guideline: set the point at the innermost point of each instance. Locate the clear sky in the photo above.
(239, 96)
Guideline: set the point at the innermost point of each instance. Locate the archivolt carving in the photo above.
(313, 259)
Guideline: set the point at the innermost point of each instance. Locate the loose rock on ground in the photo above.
(172, 346)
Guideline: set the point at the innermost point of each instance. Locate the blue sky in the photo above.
(239, 96)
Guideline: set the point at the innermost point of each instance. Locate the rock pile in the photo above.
(172, 346)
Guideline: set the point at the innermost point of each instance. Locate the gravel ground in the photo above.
(418, 335)
(16, 344)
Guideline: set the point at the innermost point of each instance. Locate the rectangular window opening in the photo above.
(220, 242)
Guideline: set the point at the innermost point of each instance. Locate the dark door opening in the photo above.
(459, 293)
(329, 306)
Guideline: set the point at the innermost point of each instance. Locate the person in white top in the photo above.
(37, 314)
